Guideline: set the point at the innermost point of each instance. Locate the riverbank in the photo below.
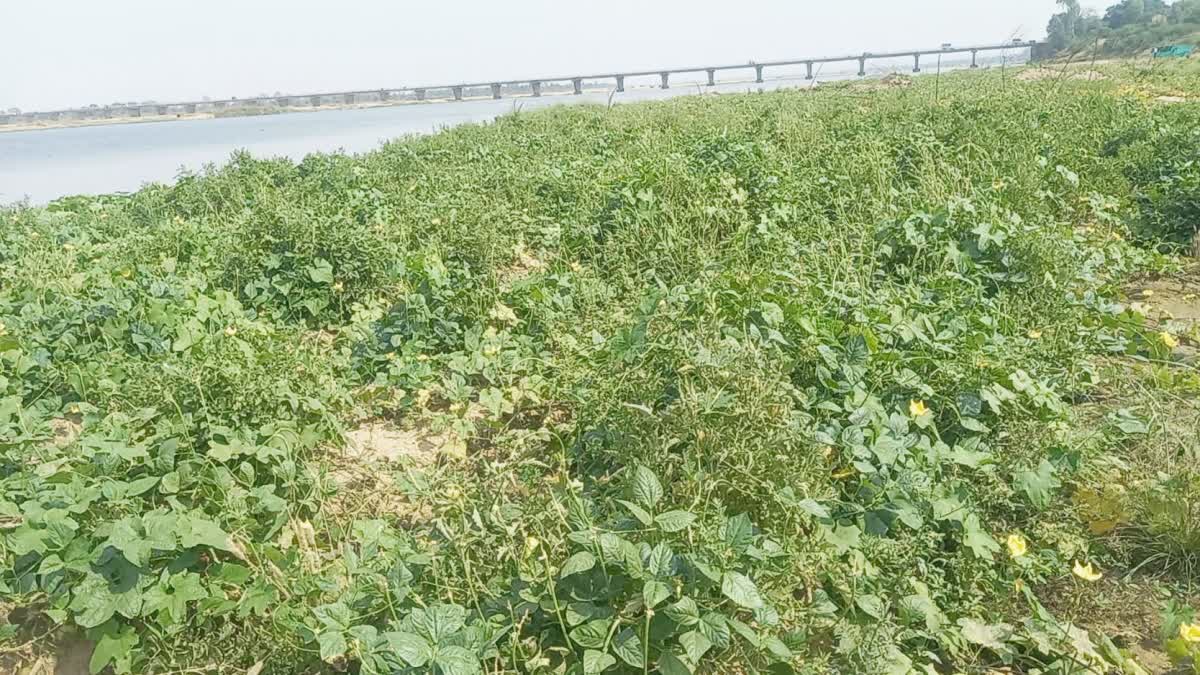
(252, 112)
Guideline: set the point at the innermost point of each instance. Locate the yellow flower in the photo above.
(230, 331)
(917, 408)
(1017, 546)
(1035, 334)
(531, 543)
(1168, 340)
(1190, 632)
(1148, 293)
(1086, 572)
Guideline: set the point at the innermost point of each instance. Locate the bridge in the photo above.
(496, 87)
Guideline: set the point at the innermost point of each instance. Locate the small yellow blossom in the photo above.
(1086, 572)
(1018, 585)
(531, 543)
(230, 331)
(1017, 546)
(917, 408)
(338, 287)
(1139, 308)
(1190, 632)
(1035, 334)
(1148, 293)
(1168, 340)
(68, 247)
(3, 328)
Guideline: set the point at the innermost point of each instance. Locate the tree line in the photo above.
(1129, 26)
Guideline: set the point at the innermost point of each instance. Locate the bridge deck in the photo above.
(866, 56)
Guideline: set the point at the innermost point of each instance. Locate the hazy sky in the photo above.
(63, 53)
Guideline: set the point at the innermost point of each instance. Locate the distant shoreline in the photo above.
(42, 125)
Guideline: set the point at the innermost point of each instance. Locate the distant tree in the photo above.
(14, 111)
(1125, 13)
(1186, 11)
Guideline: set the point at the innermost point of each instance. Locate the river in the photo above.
(45, 164)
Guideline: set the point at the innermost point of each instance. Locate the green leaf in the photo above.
(813, 508)
(638, 512)
(654, 592)
(977, 539)
(411, 648)
(669, 664)
(738, 532)
(716, 628)
(695, 644)
(646, 489)
(111, 647)
(438, 622)
(842, 537)
(740, 589)
(658, 562)
(777, 648)
(332, 644)
(674, 521)
(1039, 485)
(126, 538)
(200, 531)
(94, 603)
(872, 605)
(321, 272)
(593, 634)
(597, 662)
(580, 562)
(456, 661)
(628, 646)
(990, 636)
(685, 612)
(745, 631)
(26, 539)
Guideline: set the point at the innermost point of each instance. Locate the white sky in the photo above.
(65, 53)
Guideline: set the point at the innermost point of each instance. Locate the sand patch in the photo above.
(1035, 74)
(66, 429)
(380, 442)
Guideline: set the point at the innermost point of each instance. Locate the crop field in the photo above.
(879, 377)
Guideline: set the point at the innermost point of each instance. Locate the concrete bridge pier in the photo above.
(283, 102)
(620, 83)
(348, 99)
(314, 101)
(862, 66)
(758, 74)
(712, 77)
(162, 110)
(809, 67)
(384, 95)
(536, 87)
(457, 93)
(420, 94)
(496, 90)
(135, 111)
(190, 109)
(578, 84)
(974, 54)
(916, 63)
(666, 80)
